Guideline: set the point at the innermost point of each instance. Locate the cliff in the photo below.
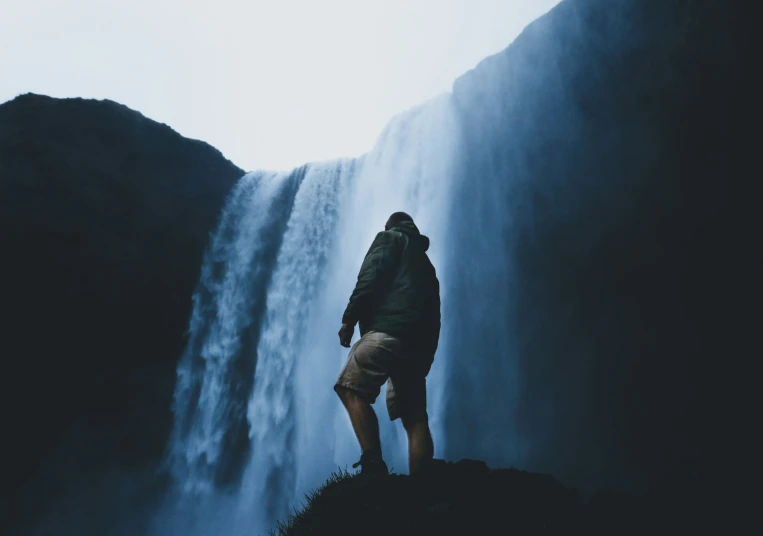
(609, 134)
(104, 218)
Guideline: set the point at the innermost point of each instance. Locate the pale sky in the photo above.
(272, 84)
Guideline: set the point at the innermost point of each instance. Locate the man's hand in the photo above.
(345, 335)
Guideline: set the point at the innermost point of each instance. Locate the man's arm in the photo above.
(375, 275)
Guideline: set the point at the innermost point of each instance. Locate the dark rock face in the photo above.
(607, 130)
(104, 218)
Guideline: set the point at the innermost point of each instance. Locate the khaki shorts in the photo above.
(378, 358)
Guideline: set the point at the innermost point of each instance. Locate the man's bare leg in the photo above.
(363, 419)
(420, 444)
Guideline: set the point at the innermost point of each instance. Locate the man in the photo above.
(396, 302)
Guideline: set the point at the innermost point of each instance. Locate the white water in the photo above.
(296, 427)
(222, 312)
(283, 347)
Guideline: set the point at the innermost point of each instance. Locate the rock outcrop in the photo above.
(468, 498)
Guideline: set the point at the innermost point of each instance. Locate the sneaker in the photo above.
(371, 464)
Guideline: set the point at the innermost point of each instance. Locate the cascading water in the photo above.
(257, 423)
(215, 374)
(298, 275)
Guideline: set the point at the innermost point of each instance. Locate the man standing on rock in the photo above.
(396, 302)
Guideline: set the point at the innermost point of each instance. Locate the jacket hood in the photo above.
(409, 228)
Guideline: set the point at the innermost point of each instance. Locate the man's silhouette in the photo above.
(396, 303)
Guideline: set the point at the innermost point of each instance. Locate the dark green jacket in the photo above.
(397, 290)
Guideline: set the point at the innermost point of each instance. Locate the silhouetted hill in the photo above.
(104, 217)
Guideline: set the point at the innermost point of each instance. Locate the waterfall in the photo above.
(215, 373)
(299, 274)
(256, 418)
(514, 184)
